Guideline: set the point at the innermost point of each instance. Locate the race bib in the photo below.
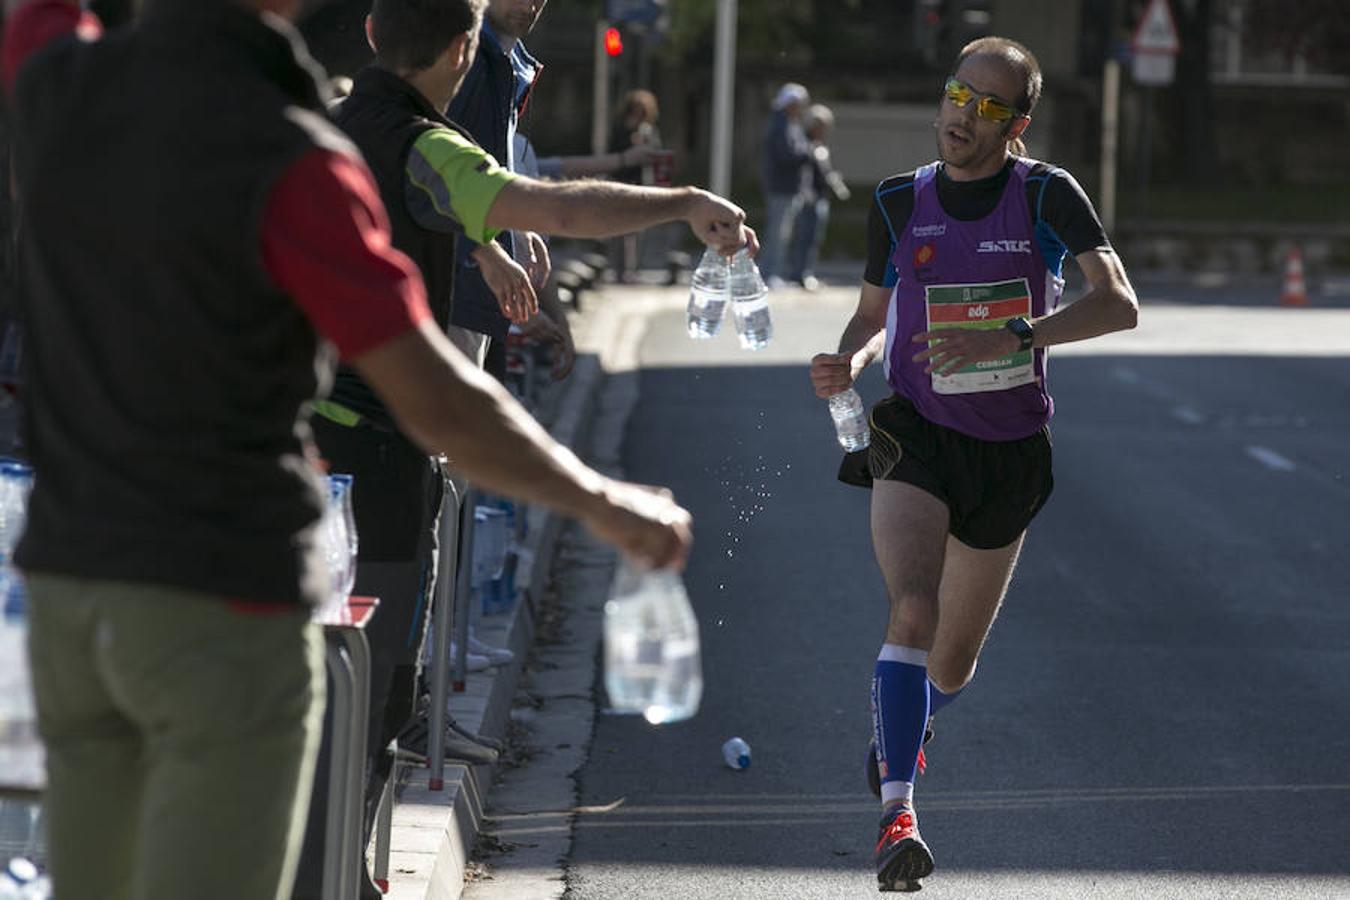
(981, 306)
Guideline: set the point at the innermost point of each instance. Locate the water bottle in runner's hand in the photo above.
(750, 303)
(850, 421)
(652, 660)
(707, 296)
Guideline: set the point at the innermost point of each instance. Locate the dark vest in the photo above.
(385, 115)
(167, 377)
(482, 106)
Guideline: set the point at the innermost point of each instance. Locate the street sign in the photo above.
(1157, 30)
(1155, 45)
(1154, 69)
(637, 12)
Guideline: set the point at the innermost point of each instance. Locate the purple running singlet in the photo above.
(976, 274)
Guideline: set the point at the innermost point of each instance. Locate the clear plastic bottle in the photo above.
(736, 754)
(750, 303)
(653, 664)
(707, 296)
(850, 420)
(336, 549)
(346, 484)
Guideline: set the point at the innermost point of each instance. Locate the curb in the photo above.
(434, 831)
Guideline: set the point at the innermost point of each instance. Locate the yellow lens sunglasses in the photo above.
(987, 106)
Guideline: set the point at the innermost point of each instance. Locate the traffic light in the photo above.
(613, 42)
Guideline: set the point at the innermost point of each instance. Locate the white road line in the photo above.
(1269, 458)
(1188, 415)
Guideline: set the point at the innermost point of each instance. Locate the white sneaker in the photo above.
(496, 656)
(474, 662)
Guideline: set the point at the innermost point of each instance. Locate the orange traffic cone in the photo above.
(1295, 293)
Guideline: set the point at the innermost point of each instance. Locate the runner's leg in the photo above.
(973, 585)
(909, 533)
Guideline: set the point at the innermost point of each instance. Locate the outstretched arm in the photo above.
(447, 405)
(604, 208)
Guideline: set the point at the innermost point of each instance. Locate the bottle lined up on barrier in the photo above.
(339, 543)
(21, 758)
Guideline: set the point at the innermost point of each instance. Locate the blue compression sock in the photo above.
(899, 716)
(938, 699)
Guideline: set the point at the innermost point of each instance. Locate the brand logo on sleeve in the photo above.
(1004, 247)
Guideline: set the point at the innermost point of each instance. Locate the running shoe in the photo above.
(870, 766)
(901, 856)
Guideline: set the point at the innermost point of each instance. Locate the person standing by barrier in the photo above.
(188, 286)
(959, 461)
(488, 105)
(786, 178)
(440, 188)
(826, 185)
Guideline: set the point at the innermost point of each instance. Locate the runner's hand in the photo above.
(833, 373)
(950, 349)
(507, 281)
(644, 522)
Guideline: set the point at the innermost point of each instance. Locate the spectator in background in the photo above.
(786, 178)
(634, 129)
(826, 185)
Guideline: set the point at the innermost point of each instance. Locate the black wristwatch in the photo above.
(1025, 333)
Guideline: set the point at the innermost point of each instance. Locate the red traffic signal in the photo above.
(613, 42)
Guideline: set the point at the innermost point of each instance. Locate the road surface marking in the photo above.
(1270, 459)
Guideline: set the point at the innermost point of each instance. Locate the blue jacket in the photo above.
(489, 101)
(787, 156)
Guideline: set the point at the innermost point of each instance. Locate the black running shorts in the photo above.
(993, 489)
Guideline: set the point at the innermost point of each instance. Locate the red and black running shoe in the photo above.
(901, 856)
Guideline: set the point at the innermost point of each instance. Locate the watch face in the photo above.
(1021, 328)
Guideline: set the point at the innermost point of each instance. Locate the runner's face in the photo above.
(515, 18)
(968, 144)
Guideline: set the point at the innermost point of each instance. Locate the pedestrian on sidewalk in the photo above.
(959, 299)
(189, 284)
(827, 185)
(786, 178)
(442, 189)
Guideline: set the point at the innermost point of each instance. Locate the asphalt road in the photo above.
(1162, 708)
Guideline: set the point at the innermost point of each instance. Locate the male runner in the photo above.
(963, 278)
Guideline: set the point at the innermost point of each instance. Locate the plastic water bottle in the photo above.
(652, 660)
(736, 754)
(346, 484)
(335, 544)
(750, 303)
(850, 421)
(707, 296)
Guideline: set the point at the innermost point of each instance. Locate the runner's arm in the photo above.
(862, 341)
(1109, 305)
